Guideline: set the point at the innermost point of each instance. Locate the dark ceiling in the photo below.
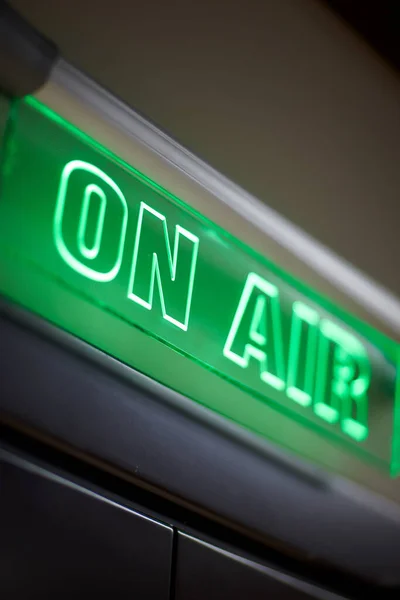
(377, 21)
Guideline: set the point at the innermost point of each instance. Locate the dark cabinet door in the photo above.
(58, 540)
(207, 572)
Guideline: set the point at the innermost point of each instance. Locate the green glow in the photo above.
(347, 391)
(302, 314)
(258, 327)
(146, 266)
(267, 317)
(68, 182)
(92, 252)
(100, 250)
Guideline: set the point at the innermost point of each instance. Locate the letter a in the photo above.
(256, 331)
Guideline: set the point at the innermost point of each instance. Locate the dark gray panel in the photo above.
(26, 57)
(4, 106)
(205, 571)
(59, 541)
(179, 451)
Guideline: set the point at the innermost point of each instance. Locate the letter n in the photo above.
(153, 261)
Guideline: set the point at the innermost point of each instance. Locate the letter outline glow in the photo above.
(347, 389)
(155, 268)
(254, 281)
(61, 246)
(301, 313)
(93, 252)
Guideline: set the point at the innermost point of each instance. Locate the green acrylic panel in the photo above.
(97, 248)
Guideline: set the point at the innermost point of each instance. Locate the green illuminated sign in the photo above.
(97, 248)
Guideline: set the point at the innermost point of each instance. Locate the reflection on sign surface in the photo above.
(99, 249)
